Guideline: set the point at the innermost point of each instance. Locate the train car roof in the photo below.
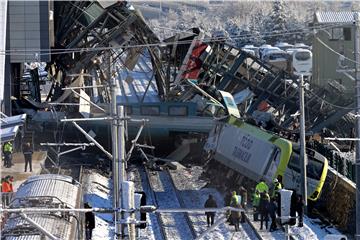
(17, 228)
(62, 189)
(255, 130)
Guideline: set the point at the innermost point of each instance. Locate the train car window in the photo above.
(347, 34)
(302, 56)
(337, 34)
(128, 110)
(314, 168)
(150, 110)
(294, 162)
(178, 111)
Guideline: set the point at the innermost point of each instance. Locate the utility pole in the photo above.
(115, 149)
(303, 157)
(357, 163)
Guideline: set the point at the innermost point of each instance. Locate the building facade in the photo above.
(333, 51)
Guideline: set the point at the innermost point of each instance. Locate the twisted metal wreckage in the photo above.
(95, 42)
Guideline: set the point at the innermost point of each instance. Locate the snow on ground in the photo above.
(194, 194)
(311, 230)
(266, 234)
(97, 192)
(175, 224)
(153, 228)
(193, 191)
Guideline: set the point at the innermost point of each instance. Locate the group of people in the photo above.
(266, 204)
(6, 189)
(27, 151)
(237, 202)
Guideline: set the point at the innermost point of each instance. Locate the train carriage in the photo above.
(44, 191)
(256, 154)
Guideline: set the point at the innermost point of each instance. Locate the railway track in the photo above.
(165, 195)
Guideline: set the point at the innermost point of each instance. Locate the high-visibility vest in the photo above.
(277, 187)
(262, 187)
(234, 200)
(256, 199)
(8, 147)
(5, 187)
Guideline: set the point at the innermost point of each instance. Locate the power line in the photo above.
(327, 102)
(206, 40)
(332, 50)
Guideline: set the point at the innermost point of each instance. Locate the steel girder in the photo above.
(233, 70)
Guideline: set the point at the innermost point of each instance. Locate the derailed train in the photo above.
(44, 191)
(256, 154)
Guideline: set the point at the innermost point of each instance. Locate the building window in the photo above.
(150, 110)
(347, 34)
(337, 34)
(178, 111)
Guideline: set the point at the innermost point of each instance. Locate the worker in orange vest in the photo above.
(5, 189)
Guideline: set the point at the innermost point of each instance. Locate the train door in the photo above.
(292, 173)
(272, 166)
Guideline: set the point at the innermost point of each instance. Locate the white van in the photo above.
(278, 58)
(267, 50)
(302, 61)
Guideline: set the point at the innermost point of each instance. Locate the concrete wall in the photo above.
(325, 61)
(28, 23)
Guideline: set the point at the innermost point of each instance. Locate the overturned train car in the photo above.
(258, 154)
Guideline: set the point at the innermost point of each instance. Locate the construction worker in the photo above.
(262, 186)
(276, 188)
(10, 180)
(235, 215)
(5, 190)
(256, 203)
(210, 216)
(7, 150)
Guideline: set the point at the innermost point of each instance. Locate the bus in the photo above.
(258, 154)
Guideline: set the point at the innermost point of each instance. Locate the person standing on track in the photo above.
(264, 206)
(272, 212)
(243, 194)
(210, 216)
(255, 203)
(235, 215)
(89, 222)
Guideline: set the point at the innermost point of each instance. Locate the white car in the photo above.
(302, 45)
(284, 46)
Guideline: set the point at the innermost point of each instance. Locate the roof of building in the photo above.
(335, 17)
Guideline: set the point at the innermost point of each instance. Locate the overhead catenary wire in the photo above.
(205, 40)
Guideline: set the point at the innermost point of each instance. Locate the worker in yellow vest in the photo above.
(7, 150)
(276, 188)
(262, 186)
(256, 203)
